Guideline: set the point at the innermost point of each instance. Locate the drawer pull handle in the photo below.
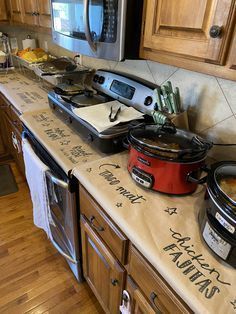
(98, 228)
(153, 296)
(114, 282)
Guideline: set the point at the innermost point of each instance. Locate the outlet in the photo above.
(78, 59)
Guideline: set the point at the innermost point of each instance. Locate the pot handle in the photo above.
(191, 178)
(126, 143)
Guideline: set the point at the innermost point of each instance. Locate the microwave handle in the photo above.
(88, 35)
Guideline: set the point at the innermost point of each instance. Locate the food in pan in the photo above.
(228, 186)
(34, 55)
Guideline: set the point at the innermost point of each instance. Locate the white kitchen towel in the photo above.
(98, 115)
(35, 171)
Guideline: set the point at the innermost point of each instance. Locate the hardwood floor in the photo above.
(34, 278)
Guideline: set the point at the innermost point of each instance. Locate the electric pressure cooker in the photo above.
(165, 158)
(217, 217)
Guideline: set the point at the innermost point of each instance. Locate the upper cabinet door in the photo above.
(44, 13)
(3, 11)
(188, 28)
(30, 12)
(16, 11)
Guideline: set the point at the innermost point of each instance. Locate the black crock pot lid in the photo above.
(189, 142)
(224, 171)
(218, 171)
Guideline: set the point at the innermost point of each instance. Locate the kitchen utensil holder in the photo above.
(180, 120)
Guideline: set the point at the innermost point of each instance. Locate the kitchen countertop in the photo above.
(24, 94)
(59, 139)
(165, 230)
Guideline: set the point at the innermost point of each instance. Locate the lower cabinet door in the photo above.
(102, 271)
(138, 304)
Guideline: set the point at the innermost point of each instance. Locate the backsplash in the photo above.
(211, 101)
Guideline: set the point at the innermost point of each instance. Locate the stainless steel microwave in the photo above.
(107, 29)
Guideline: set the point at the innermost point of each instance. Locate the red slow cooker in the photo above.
(166, 159)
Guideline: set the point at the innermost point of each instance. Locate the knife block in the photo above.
(180, 120)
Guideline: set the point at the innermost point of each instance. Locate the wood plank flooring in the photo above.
(34, 278)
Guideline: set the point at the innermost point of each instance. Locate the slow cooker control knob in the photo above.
(148, 101)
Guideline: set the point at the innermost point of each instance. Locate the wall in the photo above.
(211, 101)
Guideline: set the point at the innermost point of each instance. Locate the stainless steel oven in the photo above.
(63, 207)
(108, 29)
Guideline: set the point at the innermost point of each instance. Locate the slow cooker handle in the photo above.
(191, 178)
(125, 143)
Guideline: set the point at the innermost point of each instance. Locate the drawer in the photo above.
(15, 117)
(162, 298)
(103, 226)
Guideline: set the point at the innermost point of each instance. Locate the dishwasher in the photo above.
(63, 196)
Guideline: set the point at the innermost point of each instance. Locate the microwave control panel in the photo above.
(109, 31)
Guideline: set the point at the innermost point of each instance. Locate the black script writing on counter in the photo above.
(111, 179)
(193, 265)
(74, 153)
(56, 134)
(234, 304)
(42, 118)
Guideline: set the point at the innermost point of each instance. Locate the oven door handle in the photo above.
(57, 181)
(87, 30)
(59, 249)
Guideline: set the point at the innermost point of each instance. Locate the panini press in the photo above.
(107, 86)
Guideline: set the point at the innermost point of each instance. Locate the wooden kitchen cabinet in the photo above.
(12, 128)
(150, 289)
(15, 7)
(31, 12)
(102, 271)
(232, 55)
(3, 10)
(105, 266)
(191, 34)
(44, 13)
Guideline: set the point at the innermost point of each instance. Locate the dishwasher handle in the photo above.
(57, 181)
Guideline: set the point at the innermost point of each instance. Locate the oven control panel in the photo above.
(128, 89)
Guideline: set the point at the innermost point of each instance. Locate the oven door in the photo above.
(91, 27)
(62, 217)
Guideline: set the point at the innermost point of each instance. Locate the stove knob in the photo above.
(148, 101)
(95, 78)
(101, 80)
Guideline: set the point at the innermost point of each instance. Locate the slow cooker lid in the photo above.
(225, 178)
(177, 143)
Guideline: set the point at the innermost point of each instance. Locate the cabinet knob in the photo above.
(114, 282)
(215, 31)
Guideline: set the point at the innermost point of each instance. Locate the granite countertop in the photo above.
(165, 230)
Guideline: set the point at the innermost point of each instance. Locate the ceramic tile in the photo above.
(229, 89)
(95, 63)
(138, 68)
(160, 72)
(202, 96)
(223, 132)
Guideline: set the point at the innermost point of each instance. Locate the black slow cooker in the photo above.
(218, 216)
